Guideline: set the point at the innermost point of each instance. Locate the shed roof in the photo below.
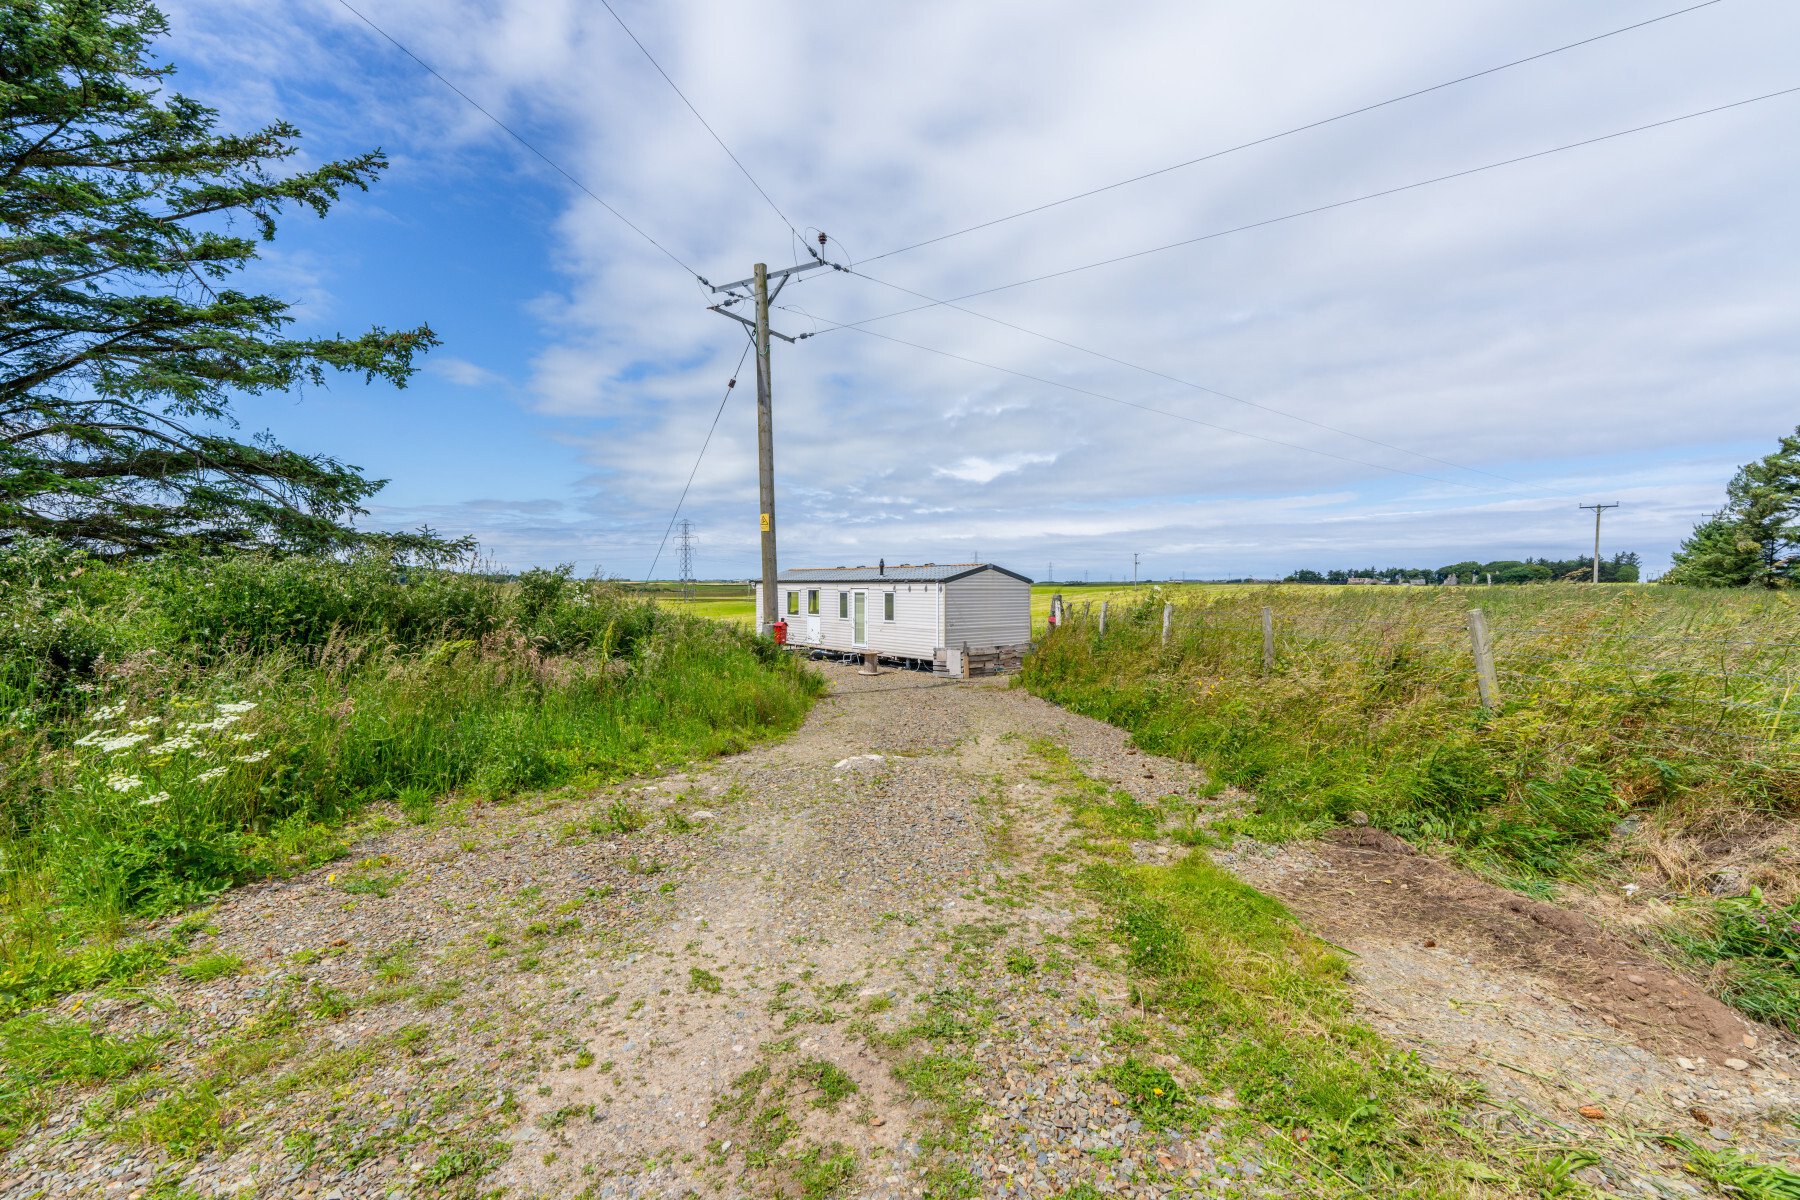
(907, 573)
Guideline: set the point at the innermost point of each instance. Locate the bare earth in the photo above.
(549, 1004)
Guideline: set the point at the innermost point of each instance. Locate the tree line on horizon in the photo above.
(1622, 567)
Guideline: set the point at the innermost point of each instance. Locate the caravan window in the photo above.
(887, 606)
(812, 601)
(843, 606)
(793, 604)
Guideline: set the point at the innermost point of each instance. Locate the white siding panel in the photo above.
(913, 633)
(989, 608)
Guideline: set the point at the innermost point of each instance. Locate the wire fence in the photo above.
(1726, 693)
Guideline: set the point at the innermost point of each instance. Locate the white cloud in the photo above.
(975, 469)
(462, 372)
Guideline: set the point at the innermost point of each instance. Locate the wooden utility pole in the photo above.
(758, 293)
(1598, 509)
(765, 447)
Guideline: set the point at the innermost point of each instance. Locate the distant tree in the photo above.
(1755, 538)
(120, 345)
(1719, 553)
(1304, 576)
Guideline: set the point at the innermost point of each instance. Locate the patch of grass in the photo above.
(620, 817)
(39, 1053)
(327, 1003)
(700, 979)
(206, 967)
(823, 1171)
(1019, 962)
(1149, 1090)
(467, 1160)
(1735, 1174)
(1753, 948)
(829, 1080)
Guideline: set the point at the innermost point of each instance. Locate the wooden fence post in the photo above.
(1168, 616)
(1268, 639)
(1485, 680)
(1103, 605)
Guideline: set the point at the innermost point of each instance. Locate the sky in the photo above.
(1434, 375)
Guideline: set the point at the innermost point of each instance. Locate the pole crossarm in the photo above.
(752, 324)
(781, 274)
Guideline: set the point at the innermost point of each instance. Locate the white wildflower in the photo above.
(1632, 889)
(90, 738)
(179, 742)
(243, 737)
(238, 706)
(146, 722)
(123, 783)
(107, 713)
(124, 741)
(158, 798)
(248, 758)
(214, 773)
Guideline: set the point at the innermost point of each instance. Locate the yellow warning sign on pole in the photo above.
(765, 522)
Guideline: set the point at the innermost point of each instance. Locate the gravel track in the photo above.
(557, 1007)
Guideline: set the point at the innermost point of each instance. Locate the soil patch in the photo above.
(1400, 892)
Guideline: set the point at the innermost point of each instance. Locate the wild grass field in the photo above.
(174, 727)
(1644, 740)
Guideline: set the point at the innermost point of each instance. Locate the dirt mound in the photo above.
(1371, 888)
(1364, 838)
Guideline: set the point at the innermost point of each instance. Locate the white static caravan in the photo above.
(922, 614)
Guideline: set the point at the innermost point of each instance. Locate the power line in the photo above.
(706, 125)
(1200, 387)
(517, 138)
(1261, 141)
(1307, 212)
(1163, 412)
(703, 445)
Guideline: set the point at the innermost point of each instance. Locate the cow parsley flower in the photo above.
(157, 798)
(124, 783)
(124, 741)
(250, 758)
(214, 773)
(238, 706)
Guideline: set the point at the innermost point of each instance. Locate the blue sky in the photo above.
(1613, 323)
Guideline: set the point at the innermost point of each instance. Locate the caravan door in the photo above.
(859, 618)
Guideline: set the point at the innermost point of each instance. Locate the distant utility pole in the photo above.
(1134, 559)
(684, 557)
(756, 290)
(1598, 509)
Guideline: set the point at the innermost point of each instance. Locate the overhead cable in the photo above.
(703, 121)
(1336, 204)
(703, 445)
(554, 165)
(1261, 141)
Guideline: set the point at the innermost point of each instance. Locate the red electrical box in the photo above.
(781, 633)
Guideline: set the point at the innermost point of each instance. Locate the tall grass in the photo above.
(1670, 703)
(176, 727)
